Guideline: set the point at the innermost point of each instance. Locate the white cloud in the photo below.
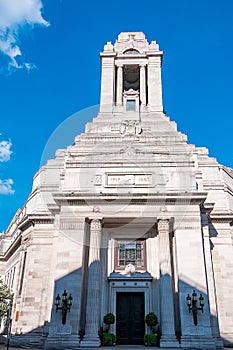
(6, 186)
(14, 15)
(5, 151)
(5, 154)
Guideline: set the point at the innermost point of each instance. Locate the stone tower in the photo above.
(131, 75)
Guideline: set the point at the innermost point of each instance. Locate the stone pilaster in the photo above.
(91, 338)
(142, 85)
(119, 85)
(168, 338)
(154, 84)
(189, 248)
(107, 82)
(210, 282)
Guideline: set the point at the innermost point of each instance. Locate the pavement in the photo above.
(117, 347)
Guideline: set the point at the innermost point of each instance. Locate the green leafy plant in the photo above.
(151, 320)
(150, 339)
(108, 338)
(6, 298)
(114, 339)
(109, 318)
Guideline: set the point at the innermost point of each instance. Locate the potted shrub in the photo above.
(108, 339)
(109, 319)
(151, 321)
(150, 339)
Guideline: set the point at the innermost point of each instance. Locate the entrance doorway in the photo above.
(130, 313)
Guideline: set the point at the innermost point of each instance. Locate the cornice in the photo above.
(32, 219)
(221, 217)
(228, 170)
(207, 208)
(11, 249)
(79, 199)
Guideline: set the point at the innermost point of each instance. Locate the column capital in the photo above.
(163, 224)
(96, 224)
(119, 65)
(142, 65)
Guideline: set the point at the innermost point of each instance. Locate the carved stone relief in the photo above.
(96, 225)
(130, 127)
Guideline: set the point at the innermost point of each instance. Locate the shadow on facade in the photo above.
(67, 335)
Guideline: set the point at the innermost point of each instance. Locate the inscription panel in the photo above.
(129, 179)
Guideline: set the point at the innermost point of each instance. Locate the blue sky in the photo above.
(50, 70)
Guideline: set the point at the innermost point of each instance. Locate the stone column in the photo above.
(143, 84)
(119, 85)
(91, 338)
(168, 338)
(104, 274)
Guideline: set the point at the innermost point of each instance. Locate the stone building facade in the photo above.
(129, 219)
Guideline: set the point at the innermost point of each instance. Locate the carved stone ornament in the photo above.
(130, 268)
(98, 180)
(96, 209)
(163, 225)
(96, 225)
(130, 127)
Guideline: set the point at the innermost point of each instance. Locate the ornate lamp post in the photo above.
(192, 305)
(66, 304)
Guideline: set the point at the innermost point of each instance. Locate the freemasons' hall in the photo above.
(128, 220)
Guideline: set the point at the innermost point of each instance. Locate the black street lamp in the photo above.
(192, 305)
(66, 304)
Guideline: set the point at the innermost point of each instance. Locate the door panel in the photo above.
(130, 326)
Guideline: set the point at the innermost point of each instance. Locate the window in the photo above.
(130, 105)
(127, 252)
(131, 52)
(22, 273)
(13, 277)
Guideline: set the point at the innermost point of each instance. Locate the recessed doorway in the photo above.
(130, 313)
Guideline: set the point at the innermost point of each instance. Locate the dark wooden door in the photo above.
(130, 326)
